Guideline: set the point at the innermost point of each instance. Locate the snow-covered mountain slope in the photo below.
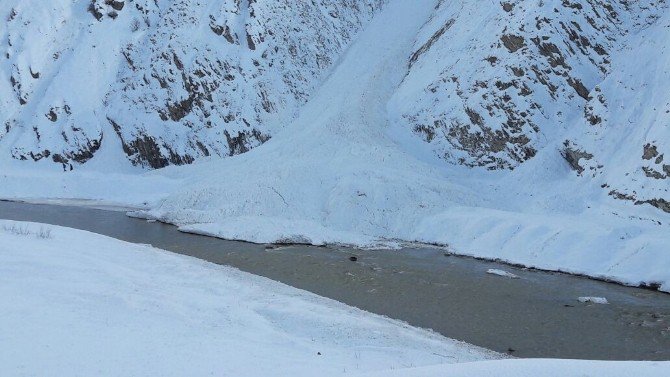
(173, 80)
(347, 170)
(535, 132)
(624, 137)
(334, 165)
(493, 86)
(535, 368)
(489, 87)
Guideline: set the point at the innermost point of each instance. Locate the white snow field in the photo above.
(78, 303)
(535, 368)
(348, 171)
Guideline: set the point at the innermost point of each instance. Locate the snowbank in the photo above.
(85, 188)
(536, 368)
(76, 301)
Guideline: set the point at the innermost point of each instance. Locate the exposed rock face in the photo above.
(105, 8)
(173, 80)
(573, 155)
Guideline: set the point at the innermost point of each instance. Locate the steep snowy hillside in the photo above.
(624, 137)
(173, 80)
(489, 87)
(492, 87)
(536, 132)
(350, 170)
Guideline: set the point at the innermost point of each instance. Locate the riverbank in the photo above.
(537, 315)
(77, 302)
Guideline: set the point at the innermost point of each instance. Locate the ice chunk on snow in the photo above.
(595, 300)
(506, 274)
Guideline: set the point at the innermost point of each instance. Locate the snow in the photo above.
(73, 301)
(88, 187)
(347, 167)
(341, 173)
(536, 368)
(160, 76)
(593, 300)
(76, 302)
(349, 171)
(333, 166)
(497, 272)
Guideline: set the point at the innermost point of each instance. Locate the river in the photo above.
(537, 315)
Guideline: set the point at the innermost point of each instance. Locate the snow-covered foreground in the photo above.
(73, 302)
(536, 368)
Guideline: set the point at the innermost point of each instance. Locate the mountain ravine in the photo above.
(488, 87)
